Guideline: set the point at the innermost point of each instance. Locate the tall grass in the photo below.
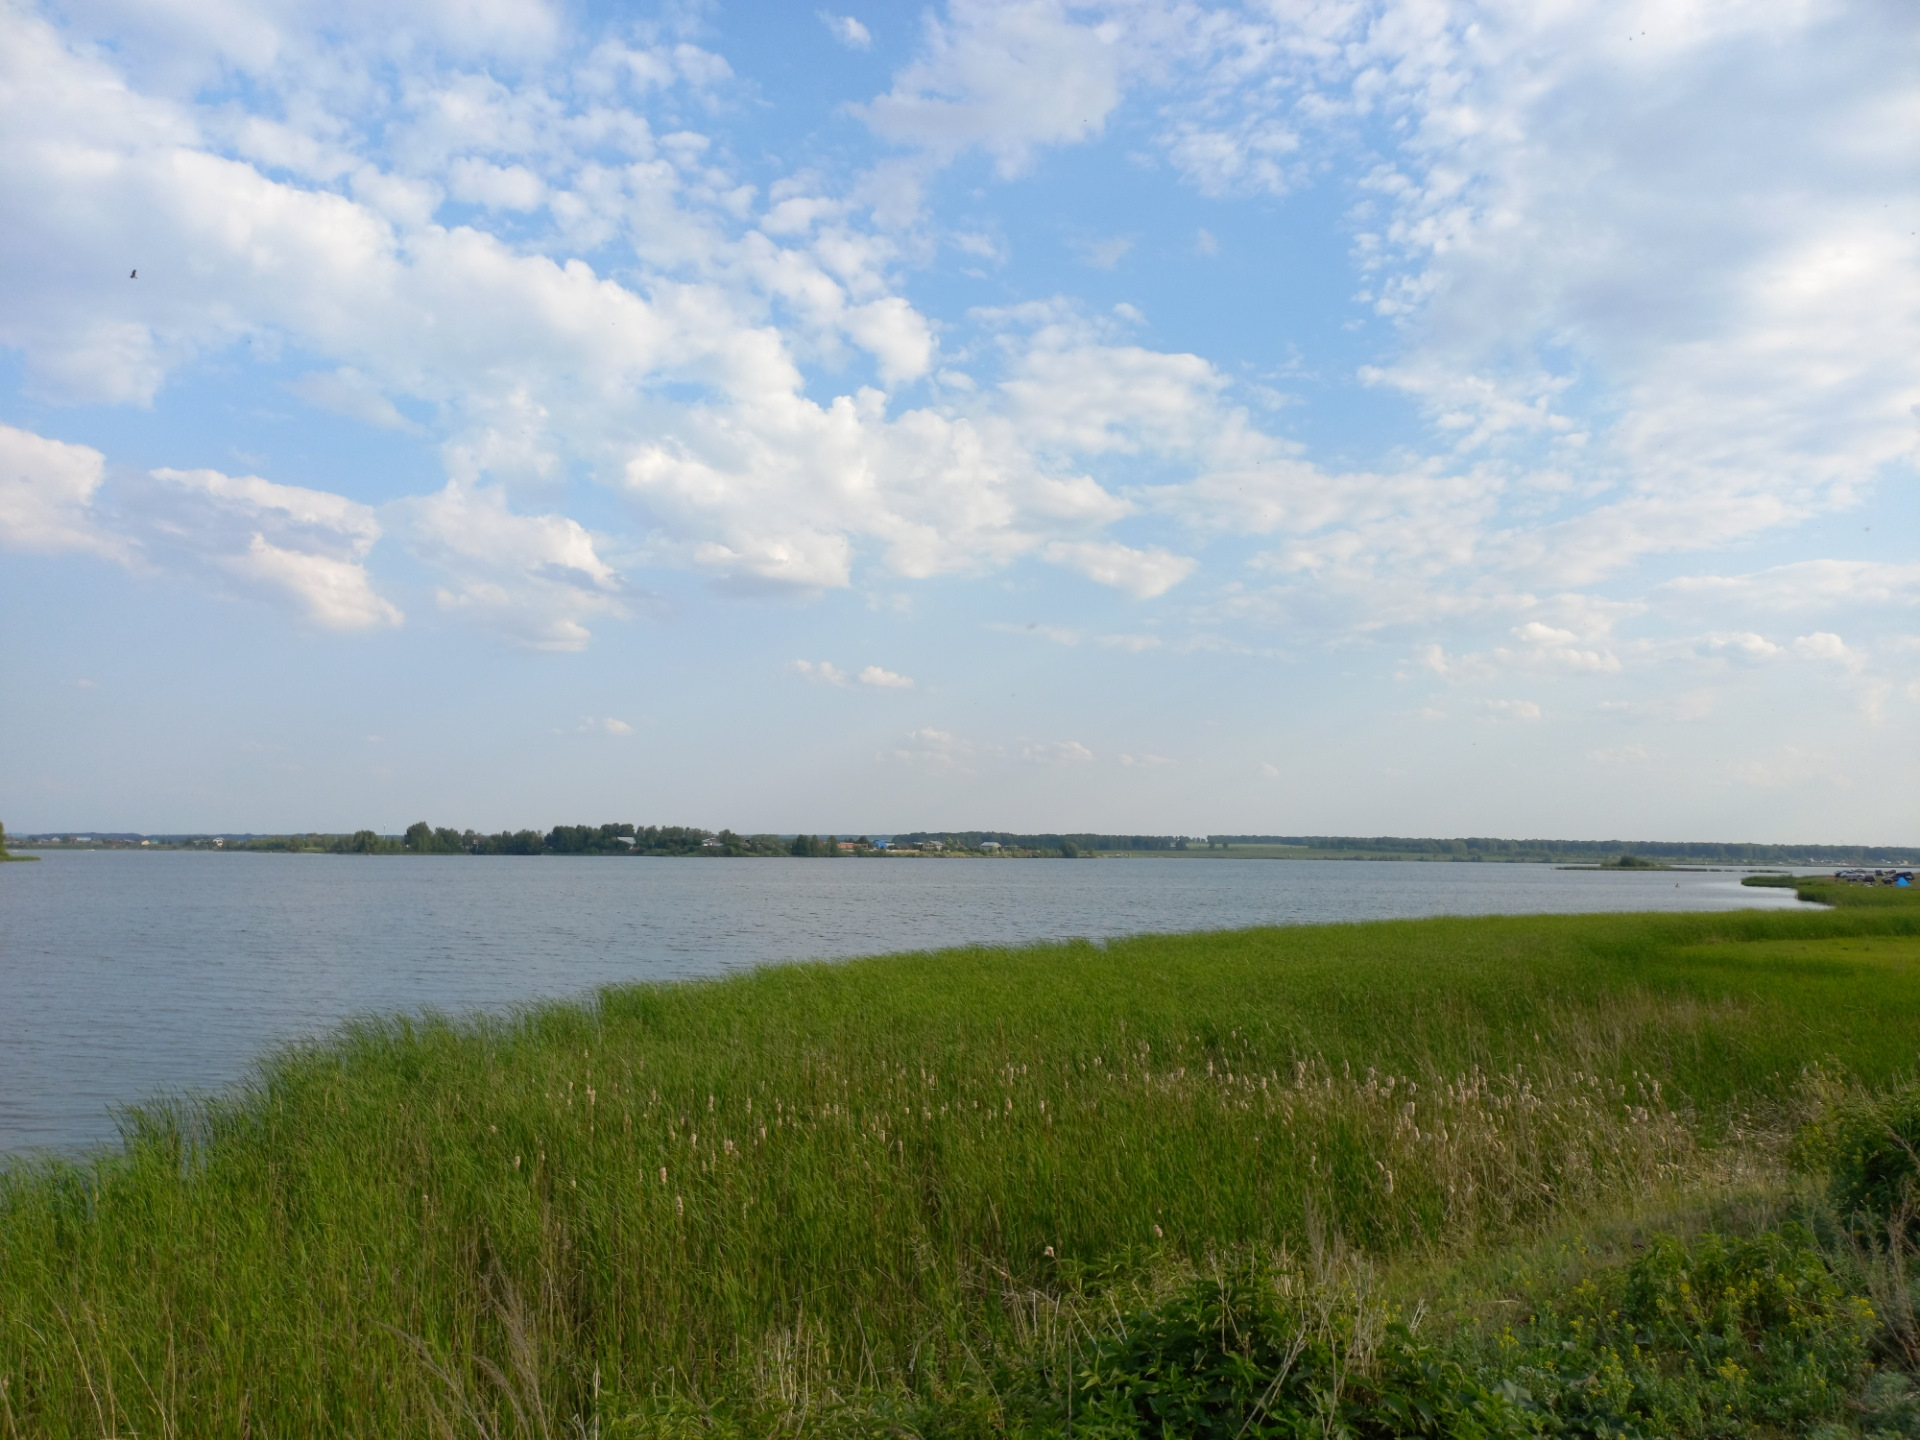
(866, 1177)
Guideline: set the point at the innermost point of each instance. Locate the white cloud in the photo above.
(1103, 254)
(1512, 709)
(498, 187)
(47, 489)
(944, 752)
(1058, 634)
(233, 534)
(1806, 585)
(1145, 761)
(347, 392)
(530, 578)
(1757, 353)
(1617, 359)
(1054, 752)
(1744, 643)
(1549, 646)
(535, 368)
(1142, 574)
(306, 547)
(1007, 76)
(847, 30)
(1821, 645)
(824, 672)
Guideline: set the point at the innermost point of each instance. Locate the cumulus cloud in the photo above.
(347, 392)
(1807, 585)
(847, 30)
(824, 672)
(1054, 752)
(303, 547)
(1005, 77)
(944, 752)
(531, 578)
(1821, 645)
(1512, 709)
(498, 187)
(47, 489)
(239, 535)
(1103, 254)
(1142, 574)
(536, 247)
(1549, 646)
(1745, 644)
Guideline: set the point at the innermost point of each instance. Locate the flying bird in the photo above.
(133, 274)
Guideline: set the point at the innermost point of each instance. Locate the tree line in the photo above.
(1488, 848)
(1065, 844)
(422, 838)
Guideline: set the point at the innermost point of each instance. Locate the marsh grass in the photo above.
(824, 1195)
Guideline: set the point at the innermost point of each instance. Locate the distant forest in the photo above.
(1486, 848)
(623, 839)
(610, 839)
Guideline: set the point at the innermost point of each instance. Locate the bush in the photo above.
(1867, 1144)
(1263, 1356)
(1707, 1340)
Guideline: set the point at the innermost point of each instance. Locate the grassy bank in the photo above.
(920, 1194)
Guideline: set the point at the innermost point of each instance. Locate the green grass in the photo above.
(853, 1194)
(1824, 890)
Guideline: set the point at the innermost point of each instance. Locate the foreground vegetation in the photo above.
(1589, 1175)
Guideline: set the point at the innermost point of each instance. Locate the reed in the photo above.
(830, 1189)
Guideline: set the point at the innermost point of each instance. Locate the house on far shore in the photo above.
(989, 844)
(933, 845)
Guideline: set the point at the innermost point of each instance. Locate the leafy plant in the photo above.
(1710, 1339)
(1869, 1144)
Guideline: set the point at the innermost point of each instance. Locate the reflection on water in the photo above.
(123, 974)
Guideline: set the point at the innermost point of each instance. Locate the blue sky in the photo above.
(1412, 416)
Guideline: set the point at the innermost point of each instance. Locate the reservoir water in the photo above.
(124, 975)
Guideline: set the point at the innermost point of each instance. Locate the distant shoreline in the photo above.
(655, 842)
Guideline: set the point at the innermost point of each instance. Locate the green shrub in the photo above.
(1708, 1340)
(1868, 1145)
(1266, 1355)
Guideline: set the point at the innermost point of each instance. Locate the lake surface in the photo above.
(123, 974)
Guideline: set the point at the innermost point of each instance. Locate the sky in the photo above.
(1317, 416)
